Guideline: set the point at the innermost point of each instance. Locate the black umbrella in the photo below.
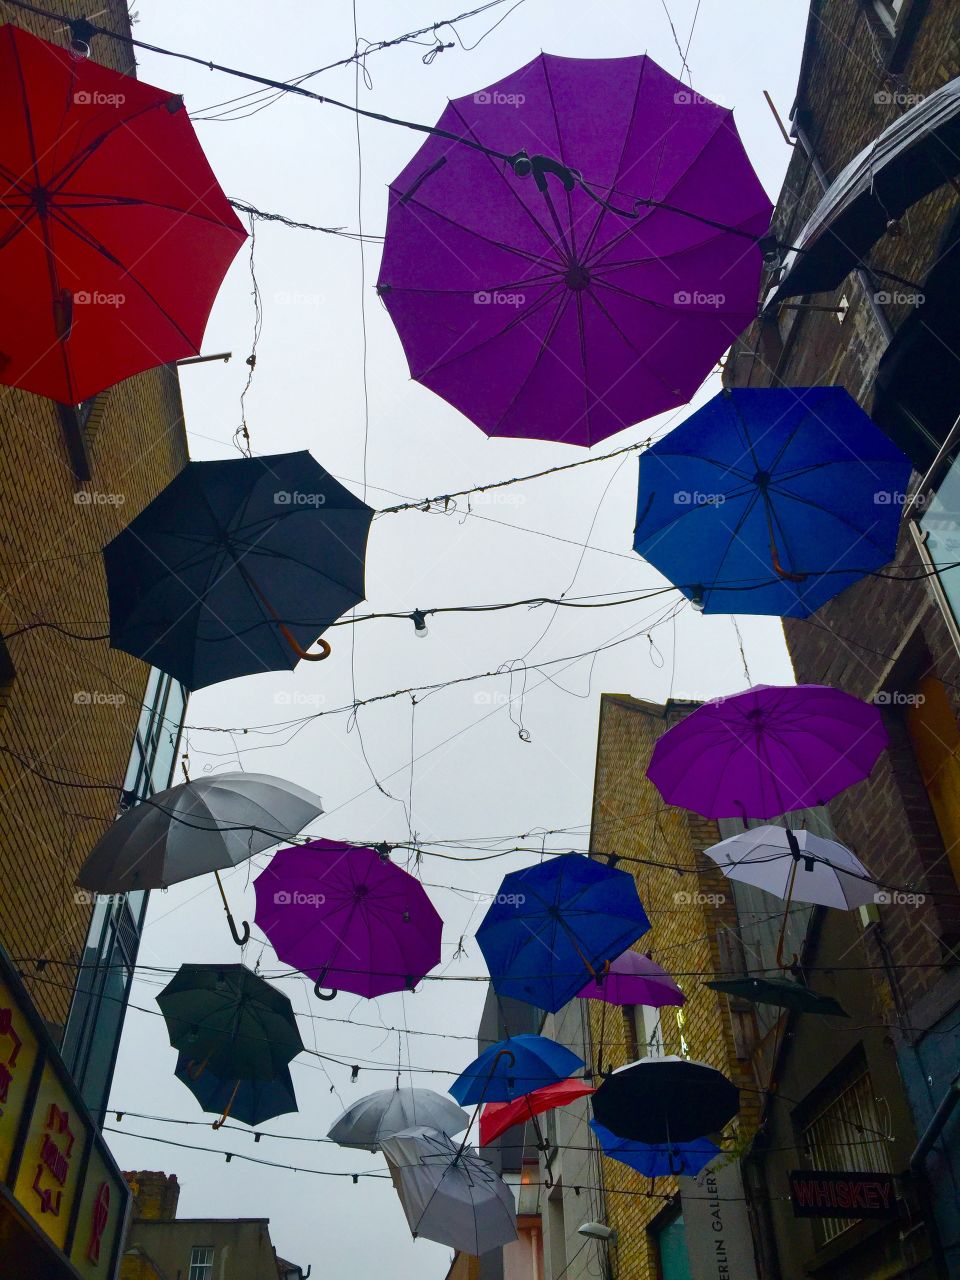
(236, 567)
(917, 153)
(669, 1099)
(250, 1101)
(781, 992)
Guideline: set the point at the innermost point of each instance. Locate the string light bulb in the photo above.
(696, 599)
(419, 619)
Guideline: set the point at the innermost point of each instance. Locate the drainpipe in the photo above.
(936, 1125)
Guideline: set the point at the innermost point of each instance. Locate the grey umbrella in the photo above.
(380, 1115)
(448, 1194)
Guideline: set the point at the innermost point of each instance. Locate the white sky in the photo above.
(473, 775)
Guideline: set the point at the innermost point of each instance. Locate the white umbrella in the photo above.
(795, 864)
(378, 1116)
(449, 1195)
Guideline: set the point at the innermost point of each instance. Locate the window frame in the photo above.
(201, 1268)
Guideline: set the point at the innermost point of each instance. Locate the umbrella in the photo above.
(678, 1159)
(914, 155)
(553, 925)
(249, 1101)
(114, 233)
(448, 1193)
(665, 1100)
(781, 992)
(497, 1117)
(513, 1067)
(766, 751)
(771, 500)
(228, 1020)
(796, 864)
(570, 294)
(634, 979)
(371, 1120)
(196, 827)
(348, 917)
(236, 567)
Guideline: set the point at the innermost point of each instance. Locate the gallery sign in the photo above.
(842, 1195)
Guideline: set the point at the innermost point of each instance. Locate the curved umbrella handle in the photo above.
(317, 991)
(299, 650)
(506, 1053)
(196, 1069)
(241, 939)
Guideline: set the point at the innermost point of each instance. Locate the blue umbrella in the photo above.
(512, 1068)
(236, 567)
(250, 1101)
(771, 501)
(553, 926)
(677, 1159)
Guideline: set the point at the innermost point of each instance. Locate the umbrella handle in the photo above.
(195, 1070)
(284, 630)
(218, 1124)
(241, 939)
(319, 993)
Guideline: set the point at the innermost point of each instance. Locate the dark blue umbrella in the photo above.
(512, 1068)
(679, 1159)
(553, 926)
(771, 501)
(236, 567)
(250, 1101)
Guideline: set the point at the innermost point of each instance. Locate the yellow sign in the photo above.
(52, 1157)
(103, 1204)
(18, 1053)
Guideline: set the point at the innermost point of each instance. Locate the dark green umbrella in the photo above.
(782, 992)
(227, 1019)
(250, 1101)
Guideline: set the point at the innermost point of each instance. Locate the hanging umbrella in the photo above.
(678, 1159)
(570, 294)
(371, 1120)
(796, 864)
(916, 154)
(497, 1117)
(782, 992)
(249, 1101)
(236, 567)
(634, 979)
(114, 233)
(197, 827)
(512, 1068)
(767, 751)
(771, 501)
(553, 925)
(228, 1020)
(448, 1193)
(665, 1100)
(348, 917)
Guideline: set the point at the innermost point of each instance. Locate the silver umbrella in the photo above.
(448, 1194)
(380, 1115)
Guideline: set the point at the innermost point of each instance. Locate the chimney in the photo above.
(155, 1195)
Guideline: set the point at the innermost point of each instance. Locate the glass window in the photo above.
(671, 1245)
(201, 1262)
(935, 735)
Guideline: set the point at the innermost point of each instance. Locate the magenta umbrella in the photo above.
(767, 751)
(590, 273)
(348, 917)
(634, 979)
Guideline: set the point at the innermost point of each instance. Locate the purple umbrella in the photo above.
(348, 917)
(767, 751)
(634, 979)
(588, 275)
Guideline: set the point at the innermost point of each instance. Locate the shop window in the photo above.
(670, 1245)
(935, 736)
(201, 1262)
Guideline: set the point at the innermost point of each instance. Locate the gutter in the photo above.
(936, 1126)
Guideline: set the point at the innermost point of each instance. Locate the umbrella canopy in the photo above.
(665, 1100)
(771, 500)
(512, 1068)
(782, 992)
(568, 295)
(552, 926)
(236, 567)
(229, 1020)
(206, 825)
(677, 1159)
(114, 233)
(767, 751)
(348, 917)
(371, 1120)
(249, 1101)
(497, 1117)
(634, 979)
(449, 1195)
(827, 873)
(914, 155)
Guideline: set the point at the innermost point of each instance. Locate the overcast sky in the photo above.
(473, 778)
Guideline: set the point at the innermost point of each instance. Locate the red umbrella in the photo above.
(114, 233)
(498, 1117)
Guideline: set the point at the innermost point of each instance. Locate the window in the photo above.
(845, 1133)
(201, 1262)
(935, 735)
(670, 1243)
(7, 674)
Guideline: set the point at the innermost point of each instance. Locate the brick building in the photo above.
(888, 334)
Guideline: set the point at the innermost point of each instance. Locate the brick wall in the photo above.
(155, 1195)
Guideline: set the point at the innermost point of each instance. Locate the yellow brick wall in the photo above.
(688, 914)
(50, 569)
